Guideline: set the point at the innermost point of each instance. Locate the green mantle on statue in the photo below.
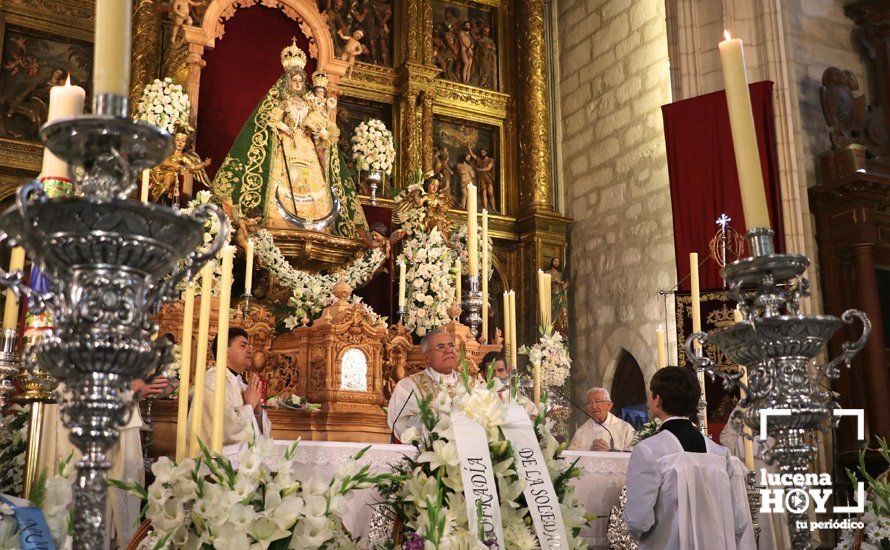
(245, 174)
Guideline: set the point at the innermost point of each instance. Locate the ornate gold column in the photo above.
(426, 136)
(535, 186)
(146, 64)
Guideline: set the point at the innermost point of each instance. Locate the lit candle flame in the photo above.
(68, 80)
(726, 35)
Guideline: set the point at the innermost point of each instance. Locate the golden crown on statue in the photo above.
(292, 57)
(319, 80)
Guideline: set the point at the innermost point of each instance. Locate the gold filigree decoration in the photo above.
(146, 46)
(79, 9)
(251, 197)
(487, 102)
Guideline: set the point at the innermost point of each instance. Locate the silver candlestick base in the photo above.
(110, 262)
(778, 346)
(473, 305)
(753, 490)
(400, 315)
(246, 297)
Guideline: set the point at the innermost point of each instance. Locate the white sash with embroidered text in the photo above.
(477, 474)
(543, 504)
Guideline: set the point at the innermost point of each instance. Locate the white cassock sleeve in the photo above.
(741, 512)
(403, 411)
(643, 484)
(624, 435)
(239, 423)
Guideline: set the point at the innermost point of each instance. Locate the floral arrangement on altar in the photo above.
(429, 263)
(551, 354)
(458, 241)
(13, 445)
(209, 503)
(428, 498)
(164, 104)
(312, 292)
(646, 430)
(876, 533)
(212, 228)
(289, 401)
(54, 498)
(372, 147)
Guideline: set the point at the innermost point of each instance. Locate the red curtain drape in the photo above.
(240, 69)
(704, 179)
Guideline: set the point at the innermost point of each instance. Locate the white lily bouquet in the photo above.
(551, 354)
(428, 499)
(430, 281)
(208, 503)
(54, 497)
(372, 147)
(459, 242)
(13, 445)
(875, 534)
(164, 104)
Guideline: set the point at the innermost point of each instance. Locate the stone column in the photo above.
(877, 379)
(535, 185)
(146, 64)
(195, 62)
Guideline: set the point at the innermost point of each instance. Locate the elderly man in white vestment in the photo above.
(404, 405)
(603, 431)
(243, 417)
(126, 459)
(682, 489)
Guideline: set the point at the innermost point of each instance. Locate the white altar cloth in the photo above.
(603, 475)
(324, 458)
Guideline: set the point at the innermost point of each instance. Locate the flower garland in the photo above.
(13, 445)
(164, 104)
(208, 502)
(429, 498)
(372, 147)
(551, 354)
(311, 292)
(54, 497)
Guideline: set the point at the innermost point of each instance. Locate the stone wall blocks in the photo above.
(642, 11)
(614, 8)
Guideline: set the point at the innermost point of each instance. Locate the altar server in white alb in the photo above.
(603, 431)
(243, 415)
(404, 405)
(682, 493)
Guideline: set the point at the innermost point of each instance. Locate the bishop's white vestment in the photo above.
(612, 430)
(403, 411)
(239, 421)
(677, 500)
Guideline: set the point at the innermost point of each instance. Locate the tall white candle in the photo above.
(146, 186)
(11, 308)
(548, 300)
(64, 102)
(485, 273)
(695, 294)
(111, 50)
(472, 235)
(514, 350)
(201, 356)
(662, 351)
(402, 284)
(222, 349)
(508, 346)
(458, 266)
(248, 268)
(188, 320)
(744, 136)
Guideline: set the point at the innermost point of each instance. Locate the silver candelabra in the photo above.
(473, 305)
(778, 345)
(110, 262)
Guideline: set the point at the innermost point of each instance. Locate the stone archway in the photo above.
(212, 28)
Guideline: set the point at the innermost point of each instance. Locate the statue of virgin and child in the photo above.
(284, 168)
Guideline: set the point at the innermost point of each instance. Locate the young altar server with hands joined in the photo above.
(682, 489)
(243, 415)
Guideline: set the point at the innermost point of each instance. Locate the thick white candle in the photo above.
(747, 440)
(507, 334)
(695, 294)
(222, 349)
(111, 50)
(458, 266)
(662, 351)
(514, 350)
(485, 273)
(737, 315)
(188, 320)
(201, 356)
(403, 270)
(548, 300)
(248, 269)
(64, 102)
(744, 136)
(11, 309)
(146, 186)
(472, 235)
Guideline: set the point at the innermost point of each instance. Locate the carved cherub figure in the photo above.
(181, 10)
(352, 49)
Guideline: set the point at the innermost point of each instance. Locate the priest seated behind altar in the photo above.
(603, 431)
(243, 415)
(441, 358)
(683, 491)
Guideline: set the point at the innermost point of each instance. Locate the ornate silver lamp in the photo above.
(778, 345)
(111, 262)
